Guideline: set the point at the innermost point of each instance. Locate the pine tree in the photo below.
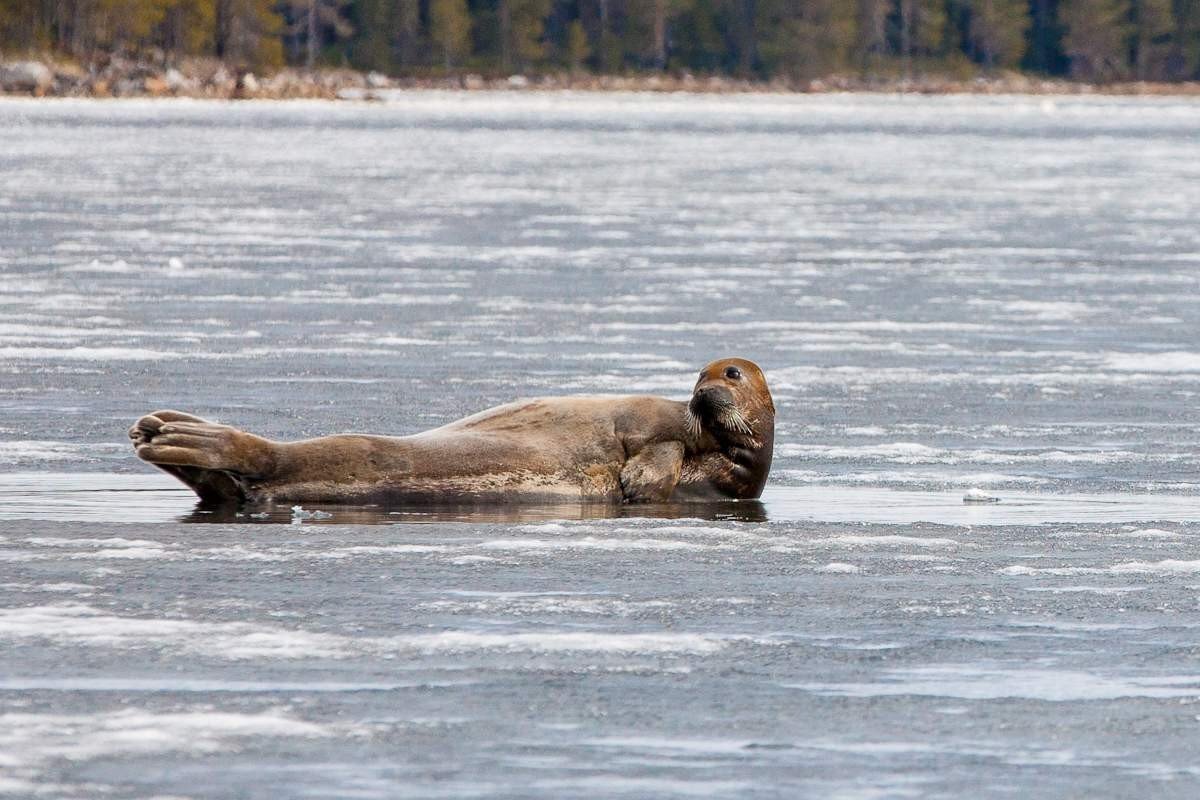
(578, 49)
(18, 25)
(372, 45)
(317, 22)
(921, 28)
(647, 28)
(1044, 53)
(450, 27)
(1095, 38)
(997, 30)
(522, 23)
(126, 24)
(805, 39)
(871, 31)
(246, 32)
(740, 17)
(187, 27)
(699, 40)
(1153, 24)
(1184, 59)
(407, 28)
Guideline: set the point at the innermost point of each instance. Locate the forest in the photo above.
(1089, 40)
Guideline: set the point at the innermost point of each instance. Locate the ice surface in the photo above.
(946, 293)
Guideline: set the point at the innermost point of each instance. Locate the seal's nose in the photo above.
(709, 398)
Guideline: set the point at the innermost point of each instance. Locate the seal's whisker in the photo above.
(692, 422)
(733, 419)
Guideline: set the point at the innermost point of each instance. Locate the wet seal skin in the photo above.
(603, 449)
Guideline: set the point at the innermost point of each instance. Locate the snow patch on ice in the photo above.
(593, 543)
(81, 624)
(1168, 566)
(968, 682)
(1178, 361)
(31, 743)
(839, 568)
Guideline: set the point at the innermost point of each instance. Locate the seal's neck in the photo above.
(747, 455)
(751, 457)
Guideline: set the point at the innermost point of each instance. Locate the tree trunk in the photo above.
(408, 13)
(746, 38)
(505, 35)
(660, 34)
(310, 54)
(605, 44)
(221, 28)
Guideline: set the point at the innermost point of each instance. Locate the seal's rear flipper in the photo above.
(190, 449)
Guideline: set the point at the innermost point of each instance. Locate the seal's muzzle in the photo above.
(710, 401)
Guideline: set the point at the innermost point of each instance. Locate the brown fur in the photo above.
(605, 449)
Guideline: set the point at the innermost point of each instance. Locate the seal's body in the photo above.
(553, 449)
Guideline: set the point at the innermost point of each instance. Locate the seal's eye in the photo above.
(733, 373)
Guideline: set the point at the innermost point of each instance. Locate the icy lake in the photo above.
(946, 294)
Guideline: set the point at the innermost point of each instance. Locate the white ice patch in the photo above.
(1049, 311)
(31, 743)
(866, 430)
(79, 624)
(552, 604)
(65, 587)
(1148, 533)
(912, 453)
(593, 543)
(110, 541)
(910, 478)
(967, 682)
(888, 540)
(1100, 590)
(93, 353)
(1166, 567)
(111, 547)
(565, 642)
(838, 568)
(1178, 361)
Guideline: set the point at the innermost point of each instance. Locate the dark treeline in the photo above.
(1095, 40)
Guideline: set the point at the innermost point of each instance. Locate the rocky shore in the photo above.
(210, 78)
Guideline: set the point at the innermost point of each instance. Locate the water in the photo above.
(945, 293)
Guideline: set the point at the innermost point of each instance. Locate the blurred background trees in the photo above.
(1098, 40)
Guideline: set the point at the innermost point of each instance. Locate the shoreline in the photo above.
(212, 80)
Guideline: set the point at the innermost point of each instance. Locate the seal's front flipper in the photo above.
(651, 475)
(215, 461)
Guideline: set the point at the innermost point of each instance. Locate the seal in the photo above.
(611, 449)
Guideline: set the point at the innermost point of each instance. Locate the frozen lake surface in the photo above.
(945, 293)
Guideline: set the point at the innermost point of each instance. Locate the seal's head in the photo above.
(731, 402)
(731, 412)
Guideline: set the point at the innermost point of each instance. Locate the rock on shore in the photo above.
(32, 77)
